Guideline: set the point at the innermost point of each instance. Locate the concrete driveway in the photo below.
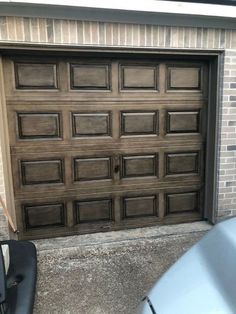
(107, 273)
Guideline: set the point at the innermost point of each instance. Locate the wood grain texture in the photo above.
(140, 206)
(139, 165)
(42, 172)
(91, 124)
(90, 76)
(183, 121)
(38, 125)
(185, 78)
(139, 123)
(97, 168)
(113, 144)
(139, 77)
(182, 202)
(182, 163)
(44, 215)
(35, 76)
(93, 210)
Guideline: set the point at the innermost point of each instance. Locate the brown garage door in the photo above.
(105, 143)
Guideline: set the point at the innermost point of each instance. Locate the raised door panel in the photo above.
(138, 166)
(182, 163)
(95, 210)
(44, 215)
(182, 122)
(42, 172)
(182, 202)
(139, 206)
(90, 76)
(138, 77)
(94, 168)
(41, 125)
(91, 124)
(35, 76)
(139, 123)
(184, 78)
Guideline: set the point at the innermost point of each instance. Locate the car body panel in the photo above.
(144, 307)
(203, 280)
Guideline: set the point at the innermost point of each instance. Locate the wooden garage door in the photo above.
(105, 143)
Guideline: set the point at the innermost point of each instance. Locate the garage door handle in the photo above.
(117, 169)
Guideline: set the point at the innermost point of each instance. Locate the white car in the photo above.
(202, 281)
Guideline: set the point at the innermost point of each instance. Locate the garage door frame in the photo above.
(215, 59)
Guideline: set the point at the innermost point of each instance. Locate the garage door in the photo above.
(105, 143)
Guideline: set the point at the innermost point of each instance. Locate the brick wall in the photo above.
(227, 158)
(52, 31)
(3, 223)
(38, 30)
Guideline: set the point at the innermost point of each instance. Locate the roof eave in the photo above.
(115, 15)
